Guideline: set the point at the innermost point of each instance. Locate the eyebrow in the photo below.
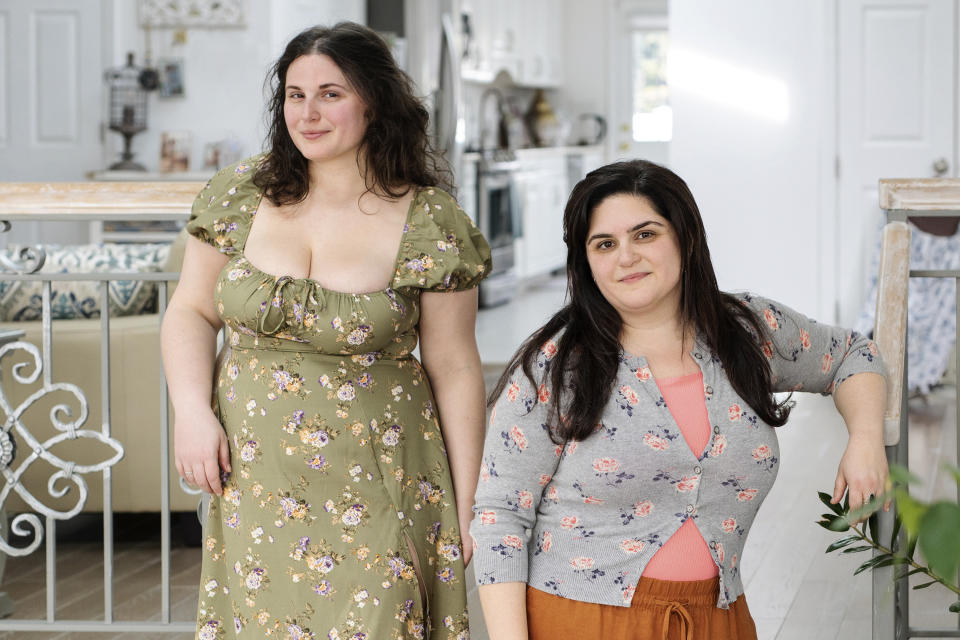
(321, 87)
(631, 230)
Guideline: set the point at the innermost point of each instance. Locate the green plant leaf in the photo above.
(926, 584)
(939, 541)
(842, 542)
(911, 547)
(846, 501)
(911, 511)
(955, 607)
(825, 498)
(900, 475)
(838, 524)
(882, 560)
(872, 525)
(865, 547)
(897, 523)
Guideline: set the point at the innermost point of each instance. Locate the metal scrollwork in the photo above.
(69, 474)
(26, 259)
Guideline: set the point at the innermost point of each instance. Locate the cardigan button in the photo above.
(698, 355)
(697, 469)
(689, 508)
(709, 389)
(716, 428)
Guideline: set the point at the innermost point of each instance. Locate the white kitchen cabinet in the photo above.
(542, 190)
(540, 47)
(521, 37)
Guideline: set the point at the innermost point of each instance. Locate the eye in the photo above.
(644, 234)
(603, 245)
(331, 95)
(295, 95)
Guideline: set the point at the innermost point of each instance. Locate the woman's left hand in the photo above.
(862, 473)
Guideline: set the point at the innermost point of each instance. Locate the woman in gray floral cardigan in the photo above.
(632, 437)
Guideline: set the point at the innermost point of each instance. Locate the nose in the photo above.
(628, 254)
(311, 111)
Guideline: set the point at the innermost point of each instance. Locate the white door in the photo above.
(896, 117)
(51, 92)
(51, 83)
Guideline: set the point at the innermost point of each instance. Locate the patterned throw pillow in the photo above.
(21, 300)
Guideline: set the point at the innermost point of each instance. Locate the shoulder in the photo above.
(223, 209)
(442, 208)
(227, 182)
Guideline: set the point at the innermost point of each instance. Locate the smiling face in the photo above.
(325, 116)
(634, 256)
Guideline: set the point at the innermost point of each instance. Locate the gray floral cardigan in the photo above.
(581, 521)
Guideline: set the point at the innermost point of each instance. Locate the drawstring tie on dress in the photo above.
(272, 315)
(686, 622)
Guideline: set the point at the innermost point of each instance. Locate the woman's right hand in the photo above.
(201, 450)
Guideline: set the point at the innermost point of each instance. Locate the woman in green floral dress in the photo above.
(343, 470)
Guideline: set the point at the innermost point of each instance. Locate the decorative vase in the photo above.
(542, 123)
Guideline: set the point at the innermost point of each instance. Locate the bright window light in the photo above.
(652, 115)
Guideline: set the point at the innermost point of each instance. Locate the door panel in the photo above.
(51, 87)
(896, 117)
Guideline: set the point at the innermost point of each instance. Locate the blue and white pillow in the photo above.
(21, 301)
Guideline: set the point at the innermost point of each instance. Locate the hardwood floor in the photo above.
(795, 591)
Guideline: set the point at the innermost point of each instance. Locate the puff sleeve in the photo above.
(442, 249)
(223, 210)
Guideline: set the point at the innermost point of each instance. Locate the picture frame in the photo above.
(172, 83)
(175, 151)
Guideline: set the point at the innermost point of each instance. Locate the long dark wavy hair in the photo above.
(396, 151)
(584, 369)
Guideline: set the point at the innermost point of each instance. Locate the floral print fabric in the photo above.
(599, 509)
(340, 482)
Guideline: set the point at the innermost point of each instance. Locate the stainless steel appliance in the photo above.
(499, 220)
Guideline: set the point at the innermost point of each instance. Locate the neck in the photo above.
(657, 330)
(337, 179)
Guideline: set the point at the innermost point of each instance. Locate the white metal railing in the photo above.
(902, 200)
(33, 202)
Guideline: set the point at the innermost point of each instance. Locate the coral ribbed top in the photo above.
(685, 555)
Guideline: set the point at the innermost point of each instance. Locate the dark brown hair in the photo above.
(584, 369)
(396, 151)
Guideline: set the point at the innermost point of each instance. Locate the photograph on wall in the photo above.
(171, 78)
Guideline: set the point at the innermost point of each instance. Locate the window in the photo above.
(652, 115)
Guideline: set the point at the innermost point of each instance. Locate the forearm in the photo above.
(860, 401)
(188, 344)
(460, 406)
(505, 610)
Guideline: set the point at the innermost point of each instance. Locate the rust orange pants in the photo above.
(660, 610)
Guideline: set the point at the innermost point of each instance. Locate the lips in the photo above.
(634, 277)
(312, 135)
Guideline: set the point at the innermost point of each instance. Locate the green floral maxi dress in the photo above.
(339, 467)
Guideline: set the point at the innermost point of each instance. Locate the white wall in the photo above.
(754, 138)
(224, 72)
